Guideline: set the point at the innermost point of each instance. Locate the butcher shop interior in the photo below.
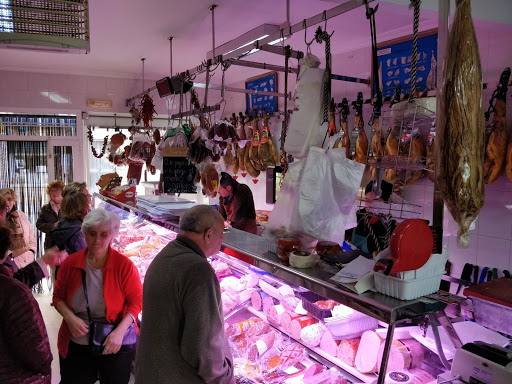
(358, 151)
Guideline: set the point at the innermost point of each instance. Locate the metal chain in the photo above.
(321, 36)
(285, 124)
(416, 4)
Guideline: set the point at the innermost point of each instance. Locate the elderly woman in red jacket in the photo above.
(114, 294)
(25, 355)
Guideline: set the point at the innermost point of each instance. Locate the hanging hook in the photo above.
(143, 59)
(308, 45)
(324, 18)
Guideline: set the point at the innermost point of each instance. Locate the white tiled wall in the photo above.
(491, 239)
(56, 92)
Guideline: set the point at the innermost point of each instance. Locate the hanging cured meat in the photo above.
(431, 158)
(377, 148)
(264, 147)
(240, 152)
(267, 149)
(332, 118)
(251, 170)
(509, 159)
(496, 150)
(362, 139)
(416, 153)
(345, 139)
(393, 140)
(256, 141)
(461, 130)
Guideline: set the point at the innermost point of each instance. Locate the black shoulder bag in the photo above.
(98, 331)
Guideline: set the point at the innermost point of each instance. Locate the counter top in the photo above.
(316, 279)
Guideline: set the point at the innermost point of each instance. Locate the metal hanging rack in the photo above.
(263, 44)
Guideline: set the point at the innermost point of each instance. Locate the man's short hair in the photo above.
(200, 218)
(74, 206)
(226, 180)
(5, 241)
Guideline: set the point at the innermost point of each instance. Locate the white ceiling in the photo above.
(122, 32)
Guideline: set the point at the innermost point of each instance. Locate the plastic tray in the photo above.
(351, 326)
(308, 302)
(406, 289)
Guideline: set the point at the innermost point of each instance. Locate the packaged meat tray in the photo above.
(308, 302)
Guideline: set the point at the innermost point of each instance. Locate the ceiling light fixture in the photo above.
(245, 40)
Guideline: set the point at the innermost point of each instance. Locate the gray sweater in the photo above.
(182, 337)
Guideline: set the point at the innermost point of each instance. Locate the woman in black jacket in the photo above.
(68, 234)
(49, 215)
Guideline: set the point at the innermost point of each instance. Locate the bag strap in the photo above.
(87, 305)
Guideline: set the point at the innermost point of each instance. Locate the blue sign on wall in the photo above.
(395, 59)
(266, 83)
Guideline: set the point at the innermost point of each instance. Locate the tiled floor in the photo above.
(53, 320)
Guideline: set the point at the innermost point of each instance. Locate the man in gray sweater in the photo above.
(182, 337)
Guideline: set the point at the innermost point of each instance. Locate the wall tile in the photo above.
(495, 219)
(460, 256)
(17, 81)
(16, 99)
(96, 87)
(39, 82)
(493, 253)
(78, 83)
(60, 83)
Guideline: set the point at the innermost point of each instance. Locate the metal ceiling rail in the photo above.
(198, 111)
(263, 44)
(253, 64)
(241, 90)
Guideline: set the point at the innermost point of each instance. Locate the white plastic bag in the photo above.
(304, 130)
(328, 187)
(280, 219)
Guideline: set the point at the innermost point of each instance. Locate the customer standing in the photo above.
(75, 186)
(22, 232)
(25, 355)
(34, 272)
(114, 295)
(182, 338)
(49, 215)
(67, 235)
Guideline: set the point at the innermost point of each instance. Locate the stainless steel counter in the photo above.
(316, 279)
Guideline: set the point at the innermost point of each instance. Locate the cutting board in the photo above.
(496, 291)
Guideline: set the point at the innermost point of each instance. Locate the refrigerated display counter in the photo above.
(288, 325)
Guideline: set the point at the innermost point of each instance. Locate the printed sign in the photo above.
(266, 83)
(395, 58)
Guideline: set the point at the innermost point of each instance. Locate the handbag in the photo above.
(99, 330)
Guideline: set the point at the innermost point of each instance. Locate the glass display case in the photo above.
(286, 325)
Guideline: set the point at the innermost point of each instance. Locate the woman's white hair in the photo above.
(98, 217)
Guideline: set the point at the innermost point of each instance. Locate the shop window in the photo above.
(37, 125)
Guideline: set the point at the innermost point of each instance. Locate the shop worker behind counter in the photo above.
(236, 204)
(182, 337)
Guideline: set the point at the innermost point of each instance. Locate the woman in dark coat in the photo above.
(49, 215)
(68, 234)
(25, 355)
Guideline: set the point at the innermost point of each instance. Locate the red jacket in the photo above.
(25, 355)
(122, 289)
